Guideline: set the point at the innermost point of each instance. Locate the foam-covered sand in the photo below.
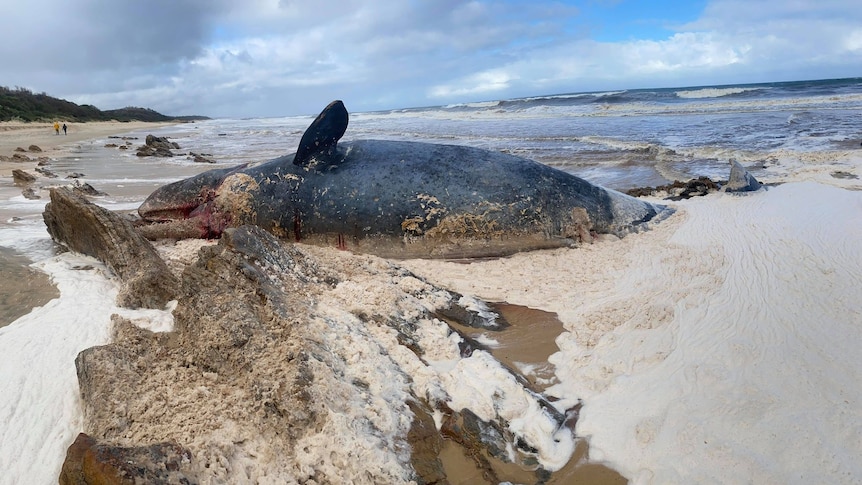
(40, 412)
(40, 409)
(720, 347)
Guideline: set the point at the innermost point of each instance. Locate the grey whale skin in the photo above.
(397, 199)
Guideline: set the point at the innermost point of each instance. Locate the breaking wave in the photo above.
(713, 92)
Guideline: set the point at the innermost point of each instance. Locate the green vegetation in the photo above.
(23, 105)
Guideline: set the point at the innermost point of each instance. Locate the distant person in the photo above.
(64, 129)
(57, 127)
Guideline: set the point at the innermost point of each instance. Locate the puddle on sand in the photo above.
(21, 287)
(528, 342)
(524, 347)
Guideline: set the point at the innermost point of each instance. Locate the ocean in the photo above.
(804, 134)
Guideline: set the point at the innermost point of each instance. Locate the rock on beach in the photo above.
(95, 231)
(156, 146)
(300, 363)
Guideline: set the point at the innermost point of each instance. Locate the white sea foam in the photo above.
(40, 411)
(754, 378)
(712, 92)
(572, 96)
(485, 104)
(27, 236)
(720, 347)
(478, 382)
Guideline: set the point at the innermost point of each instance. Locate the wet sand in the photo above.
(21, 288)
(524, 346)
(15, 134)
(460, 470)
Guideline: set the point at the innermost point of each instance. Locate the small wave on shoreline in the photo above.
(712, 92)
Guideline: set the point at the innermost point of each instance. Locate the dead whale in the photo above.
(397, 199)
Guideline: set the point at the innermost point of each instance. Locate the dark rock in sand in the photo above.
(123, 147)
(157, 147)
(19, 149)
(695, 188)
(46, 173)
(840, 174)
(87, 189)
(30, 194)
(469, 317)
(148, 151)
(110, 145)
(17, 157)
(425, 443)
(679, 190)
(95, 231)
(89, 462)
(200, 158)
(34, 148)
(159, 141)
(75, 175)
(22, 178)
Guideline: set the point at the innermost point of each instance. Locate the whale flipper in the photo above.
(323, 133)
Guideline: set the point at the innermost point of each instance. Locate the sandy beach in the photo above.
(17, 134)
(27, 288)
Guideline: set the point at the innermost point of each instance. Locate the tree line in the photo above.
(21, 104)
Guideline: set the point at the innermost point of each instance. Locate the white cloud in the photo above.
(482, 83)
(734, 41)
(853, 41)
(262, 57)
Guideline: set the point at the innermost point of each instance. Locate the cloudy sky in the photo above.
(232, 58)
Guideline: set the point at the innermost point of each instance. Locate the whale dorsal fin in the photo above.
(323, 133)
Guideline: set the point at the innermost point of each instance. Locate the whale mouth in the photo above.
(201, 223)
(150, 213)
(178, 229)
(182, 199)
(197, 218)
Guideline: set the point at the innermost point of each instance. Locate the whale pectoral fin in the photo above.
(323, 133)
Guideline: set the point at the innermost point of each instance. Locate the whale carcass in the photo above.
(397, 199)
